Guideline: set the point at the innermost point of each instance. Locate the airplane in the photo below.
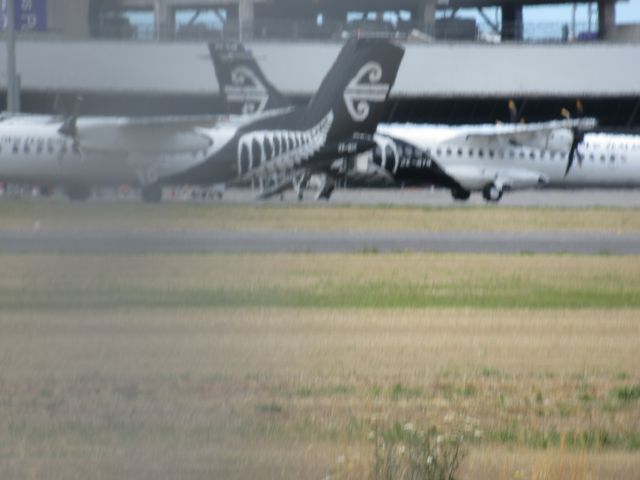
(494, 159)
(487, 158)
(79, 152)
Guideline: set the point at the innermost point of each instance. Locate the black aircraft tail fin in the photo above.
(353, 94)
(243, 86)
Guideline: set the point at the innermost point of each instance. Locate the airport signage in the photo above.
(30, 15)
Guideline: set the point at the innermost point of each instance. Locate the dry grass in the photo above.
(283, 392)
(141, 367)
(19, 215)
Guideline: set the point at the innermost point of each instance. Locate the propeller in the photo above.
(515, 113)
(69, 126)
(578, 136)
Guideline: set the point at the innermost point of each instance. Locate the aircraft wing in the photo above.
(535, 135)
(143, 135)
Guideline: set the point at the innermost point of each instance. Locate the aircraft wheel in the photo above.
(152, 193)
(492, 193)
(78, 193)
(460, 194)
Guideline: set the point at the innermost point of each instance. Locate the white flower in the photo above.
(477, 433)
(409, 427)
(440, 439)
(429, 460)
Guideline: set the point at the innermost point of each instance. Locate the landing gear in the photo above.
(78, 193)
(492, 193)
(299, 184)
(326, 189)
(460, 194)
(152, 193)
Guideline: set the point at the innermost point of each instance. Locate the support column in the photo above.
(511, 22)
(606, 19)
(427, 15)
(164, 22)
(246, 16)
(11, 58)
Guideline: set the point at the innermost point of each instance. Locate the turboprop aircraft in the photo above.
(487, 158)
(79, 152)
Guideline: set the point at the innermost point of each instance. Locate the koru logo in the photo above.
(364, 88)
(247, 89)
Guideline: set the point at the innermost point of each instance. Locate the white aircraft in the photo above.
(81, 152)
(498, 158)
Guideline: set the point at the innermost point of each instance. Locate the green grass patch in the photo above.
(400, 391)
(626, 394)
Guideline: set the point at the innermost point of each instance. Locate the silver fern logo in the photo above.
(363, 89)
(246, 89)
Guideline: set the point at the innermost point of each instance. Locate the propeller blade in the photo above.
(69, 125)
(513, 112)
(578, 137)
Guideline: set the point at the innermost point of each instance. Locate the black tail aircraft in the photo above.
(244, 89)
(283, 146)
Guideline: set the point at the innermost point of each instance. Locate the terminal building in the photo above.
(150, 56)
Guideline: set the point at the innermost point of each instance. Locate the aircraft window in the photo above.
(49, 148)
(501, 153)
(512, 154)
(438, 152)
(592, 158)
(16, 148)
(521, 154)
(480, 152)
(612, 159)
(602, 159)
(491, 153)
(532, 155)
(39, 149)
(448, 151)
(26, 147)
(459, 152)
(471, 152)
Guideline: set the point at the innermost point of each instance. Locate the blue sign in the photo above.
(30, 15)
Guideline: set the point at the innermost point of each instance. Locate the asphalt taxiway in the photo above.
(276, 241)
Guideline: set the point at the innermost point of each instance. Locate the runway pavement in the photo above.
(431, 197)
(271, 241)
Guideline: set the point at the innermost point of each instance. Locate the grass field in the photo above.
(281, 366)
(61, 214)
